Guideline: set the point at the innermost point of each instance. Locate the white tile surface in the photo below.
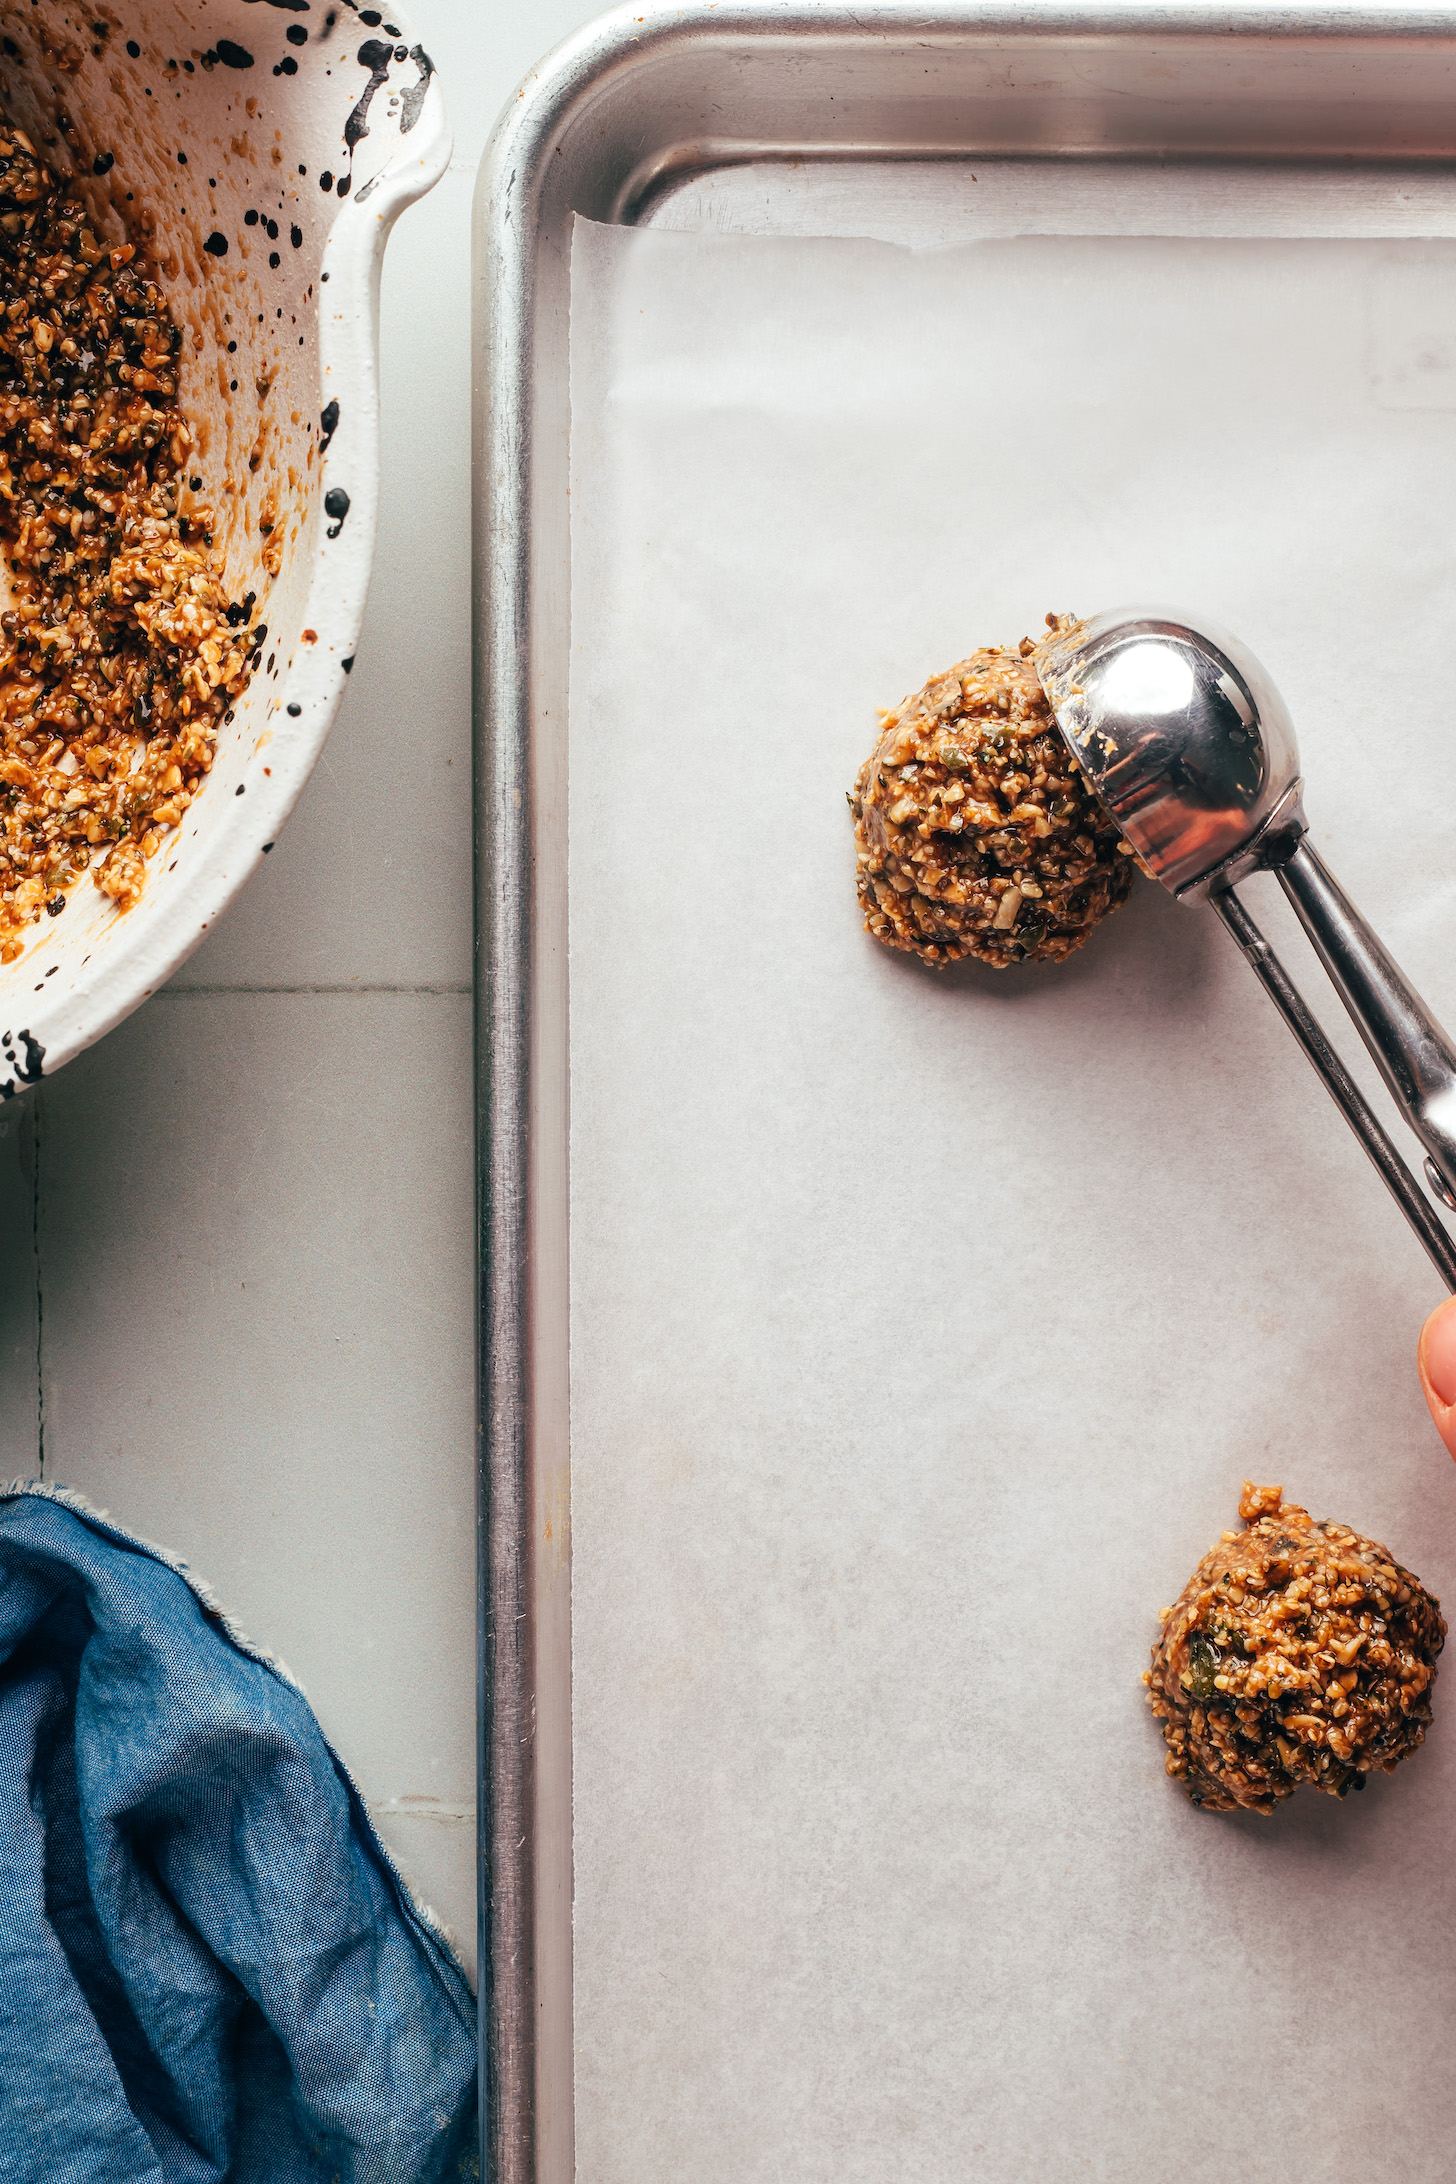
(18, 1410)
(255, 1221)
(251, 1243)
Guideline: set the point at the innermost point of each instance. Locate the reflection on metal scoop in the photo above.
(1192, 750)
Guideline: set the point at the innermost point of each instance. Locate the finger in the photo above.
(1437, 1359)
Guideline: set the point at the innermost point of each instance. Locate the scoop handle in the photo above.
(1409, 1048)
(1338, 1082)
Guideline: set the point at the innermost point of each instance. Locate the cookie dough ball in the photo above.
(1297, 1652)
(976, 832)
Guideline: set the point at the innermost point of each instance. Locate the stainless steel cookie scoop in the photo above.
(1191, 748)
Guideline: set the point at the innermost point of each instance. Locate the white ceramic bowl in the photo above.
(323, 119)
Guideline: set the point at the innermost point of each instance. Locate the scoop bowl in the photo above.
(1183, 735)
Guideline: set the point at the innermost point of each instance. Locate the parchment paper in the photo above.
(926, 1324)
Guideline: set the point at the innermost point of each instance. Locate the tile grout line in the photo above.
(178, 992)
(354, 987)
(35, 1146)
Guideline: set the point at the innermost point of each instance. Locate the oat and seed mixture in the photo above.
(976, 832)
(120, 651)
(1297, 1652)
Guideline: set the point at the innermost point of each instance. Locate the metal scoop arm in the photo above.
(1409, 1048)
(1338, 1082)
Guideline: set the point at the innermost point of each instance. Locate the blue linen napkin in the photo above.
(210, 1971)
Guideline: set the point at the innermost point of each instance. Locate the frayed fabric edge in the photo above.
(67, 1497)
(232, 1630)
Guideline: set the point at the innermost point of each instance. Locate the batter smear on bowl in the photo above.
(1297, 1652)
(120, 651)
(975, 830)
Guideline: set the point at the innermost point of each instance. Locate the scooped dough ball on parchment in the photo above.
(1297, 1652)
(976, 832)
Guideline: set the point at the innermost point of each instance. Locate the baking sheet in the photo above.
(924, 1325)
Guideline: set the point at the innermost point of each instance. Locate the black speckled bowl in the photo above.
(273, 143)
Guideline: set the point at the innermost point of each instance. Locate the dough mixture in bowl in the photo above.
(976, 831)
(119, 651)
(1297, 1652)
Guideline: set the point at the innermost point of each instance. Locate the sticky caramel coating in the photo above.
(1297, 1652)
(976, 832)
